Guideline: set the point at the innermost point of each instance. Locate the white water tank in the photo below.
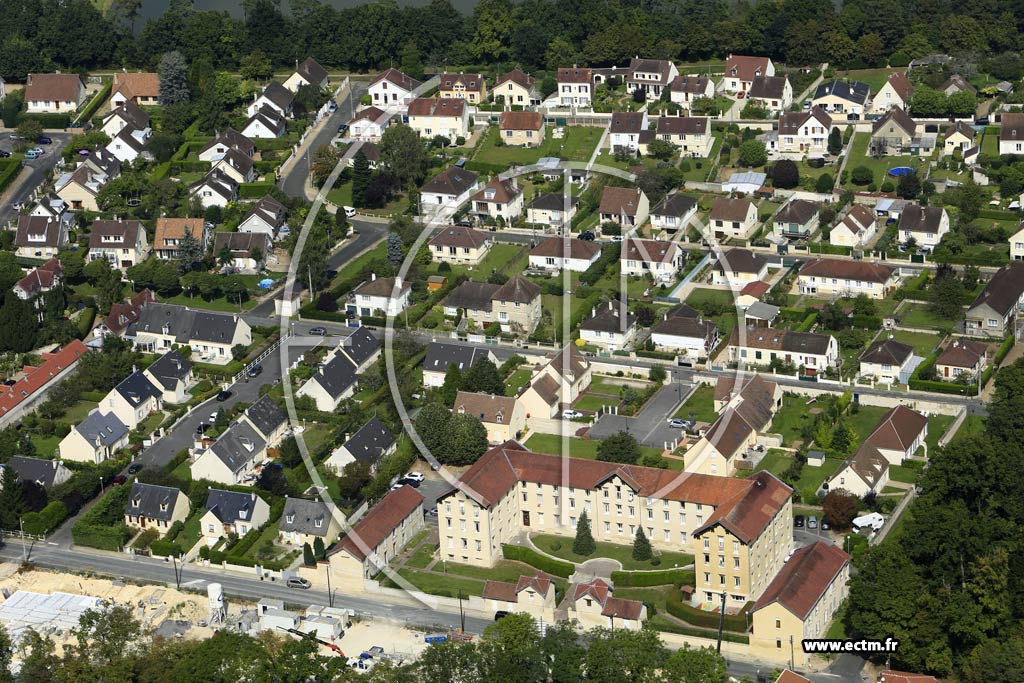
(216, 594)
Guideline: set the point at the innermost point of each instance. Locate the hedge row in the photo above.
(827, 248)
(535, 559)
(656, 354)
(669, 627)
(161, 172)
(219, 371)
(807, 323)
(254, 190)
(942, 387)
(736, 623)
(179, 167)
(48, 121)
(677, 577)
(489, 168)
(996, 215)
(9, 169)
(95, 103)
(1004, 349)
(46, 520)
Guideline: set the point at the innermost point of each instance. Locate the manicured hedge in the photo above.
(95, 103)
(47, 121)
(103, 525)
(46, 520)
(535, 559)
(254, 190)
(691, 615)
(179, 167)
(1004, 349)
(943, 387)
(85, 320)
(486, 167)
(826, 248)
(656, 354)
(669, 627)
(9, 169)
(678, 577)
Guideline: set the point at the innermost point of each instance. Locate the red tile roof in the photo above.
(746, 515)
(597, 589)
(500, 590)
(41, 277)
(803, 579)
(540, 582)
(379, 522)
(788, 676)
(746, 68)
(840, 269)
(622, 608)
(132, 85)
(122, 314)
(890, 676)
(756, 289)
(437, 106)
(36, 379)
(521, 120)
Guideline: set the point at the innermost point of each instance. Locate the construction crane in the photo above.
(311, 636)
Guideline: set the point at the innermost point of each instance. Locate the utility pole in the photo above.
(462, 615)
(721, 624)
(330, 594)
(178, 570)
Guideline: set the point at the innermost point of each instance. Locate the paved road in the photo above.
(293, 183)
(41, 168)
(650, 426)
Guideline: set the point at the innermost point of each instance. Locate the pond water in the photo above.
(154, 8)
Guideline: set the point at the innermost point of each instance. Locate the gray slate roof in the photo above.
(440, 355)
(170, 368)
(266, 415)
(369, 443)
(227, 505)
(336, 376)
(39, 470)
(185, 324)
(237, 445)
(104, 428)
(302, 515)
(136, 388)
(360, 345)
(148, 499)
(852, 91)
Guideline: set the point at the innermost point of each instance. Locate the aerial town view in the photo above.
(511, 341)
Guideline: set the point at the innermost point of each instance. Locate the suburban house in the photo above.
(516, 88)
(962, 359)
(800, 603)
(1011, 134)
(37, 380)
(896, 134)
(629, 131)
(888, 361)
(309, 72)
(368, 125)
(515, 304)
(42, 471)
(369, 445)
(334, 382)
(925, 224)
(842, 97)
(894, 94)
(899, 434)
(503, 417)
(575, 86)
(124, 313)
(440, 356)
(559, 382)
(993, 312)
(40, 280)
(170, 233)
(232, 458)
(690, 134)
(651, 76)
(448, 189)
(498, 200)
(232, 512)
(593, 605)
(797, 219)
(627, 206)
(533, 595)
(54, 93)
(392, 88)
(556, 253)
(733, 218)
(236, 166)
(122, 244)
(224, 141)
(687, 88)
(673, 212)
(808, 352)
(774, 93)
(444, 116)
(552, 209)
(211, 336)
(739, 267)
(303, 521)
(129, 145)
(275, 96)
(266, 216)
(39, 237)
(958, 136)
(856, 229)
(133, 399)
(756, 512)
(463, 86)
(838, 277)
(612, 328)
(386, 296)
(249, 250)
(141, 88)
(216, 188)
(360, 347)
(266, 123)
(658, 260)
(378, 537)
(171, 373)
(957, 83)
(459, 244)
(155, 507)
(521, 128)
(127, 116)
(691, 337)
(78, 189)
(267, 418)
(866, 471)
(95, 439)
(741, 70)
(801, 133)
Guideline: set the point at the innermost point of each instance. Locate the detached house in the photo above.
(522, 128)
(796, 220)
(95, 439)
(133, 400)
(774, 93)
(838, 277)
(275, 96)
(652, 76)
(533, 595)
(867, 471)
(552, 209)
(128, 116)
(612, 328)
(517, 88)
(895, 93)
(593, 605)
(171, 373)
(248, 250)
(39, 237)
(733, 218)
(958, 136)
(122, 244)
(444, 116)
(658, 260)
(687, 88)
(440, 356)
(129, 145)
(842, 97)
(739, 267)
(856, 229)
(211, 336)
(459, 244)
(925, 224)
(888, 361)
(957, 83)
(54, 93)
(267, 216)
(503, 417)
(994, 312)
(78, 189)
(368, 125)
(170, 233)
(899, 434)
(155, 507)
(141, 88)
(40, 280)
(233, 457)
(267, 418)
(801, 133)
(1011, 134)
(304, 521)
(691, 337)
(448, 189)
(225, 141)
(628, 131)
(740, 72)
(515, 304)
(216, 188)
(463, 86)
(690, 134)
(556, 253)
(896, 134)
(498, 200)
(627, 206)
(371, 444)
(309, 72)
(673, 212)
(575, 87)
(266, 123)
(41, 471)
(334, 382)
(558, 383)
(236, 166)
(962, 358)
(759, 346)
(386, 295)
(392, 88)
(232, 512)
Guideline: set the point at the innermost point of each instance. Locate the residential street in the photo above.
(21, 189)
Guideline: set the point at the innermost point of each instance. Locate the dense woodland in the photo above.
(535, 34)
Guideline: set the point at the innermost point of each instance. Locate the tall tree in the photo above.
(584, 543)
(403, 155)
(641, 546)
(360, 178)
(11, 502)
(173, 72)
(452, 384)
(394, 250)
(484, 378)
(18, 324)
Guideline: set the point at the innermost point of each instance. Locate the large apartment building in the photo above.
(510, 490)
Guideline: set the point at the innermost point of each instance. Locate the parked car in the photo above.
(825, 526)
(33, 154)
(342, 128)
(119, 480)
(18, 206)
(4, 153)
(586, 235)
(570, 414)
(134, 468)
(812, 522)
(297, 582)
(415, 483)
(318, 331)
(616, 238)
(500, 614)
(213, 415)
(414, 476)
(201, 429)
(350, 212)
(255, 371)
(223, 395)
(44, 140)
(798, 521)
(397, 485)
(676, 423)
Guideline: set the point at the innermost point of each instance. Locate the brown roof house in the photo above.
(925, 224)
(170, 233)
(556, 253)
(459, 244)
(54, 93)
(895, 93)
(521, 128)
(958, 136)
(690, 134)
(692, 338)
(759, 346)
(899, 434)
(379, 296)
(686, 88)
(963, 360)
(629, 132)
(249, 250)
(142, 88)
(444, 116)
(515, 305)
(656, 259)
(897, 134)
(593, 605)
(516, 88)
(498, 200)
(463, 86)
(309, 72)
(796, 220)
(741, 70)
(888, 361)
(559, 382)
(837, 277)
(575, 86)
(856, 229)
(553, 209)
(121, 243)
(627, 206)
(392, 87)
(866, 471)
(733, 218)
(801, 133)
(1011, 134)
(40, 279)
(447, 190)
(774, 93)
(652, 76)
(39, 236)
(533, 595)
(800, 602)
(994, 312)
(739, 267)
(503, 417)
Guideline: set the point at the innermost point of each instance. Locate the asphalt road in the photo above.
(293, 183)
(41, 169)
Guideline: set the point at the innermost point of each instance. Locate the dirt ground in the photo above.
(395, 639)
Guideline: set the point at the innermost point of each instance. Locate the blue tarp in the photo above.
(266, 284)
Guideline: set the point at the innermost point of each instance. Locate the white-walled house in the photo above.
(389, 295)
(556, 253)
(610, 327)
(55, 93)
(673, 212)
(733, 218)
(433, 116)
(661, 261)
(925, 224)
(392, 88)
(448, 189)
(856, 229)
(774, 93)
(575, 87)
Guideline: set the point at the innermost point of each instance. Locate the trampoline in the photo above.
(900, 171)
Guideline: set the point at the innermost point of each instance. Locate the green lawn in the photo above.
(355, 266)
(221, 303)
(923, 343)
(504, 570)
(191, 532)
(905, 474)
(864, 421)
(46, 446)
(700, 295)
(561, 546)
(790, 418)
(501, 257)
(578, 448)
(990, 144)
(875, 78)
(879, 167)
(778, 461)
(150, 423)
(437, 584)
(609, 386)
(918, 316)
(577, 145)
(775, 461)
(701, 405)
(937, 426)
(79, 411)
(341, 195)
(593, 403)
(517, 379)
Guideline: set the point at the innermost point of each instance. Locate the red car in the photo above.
(119, 479)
